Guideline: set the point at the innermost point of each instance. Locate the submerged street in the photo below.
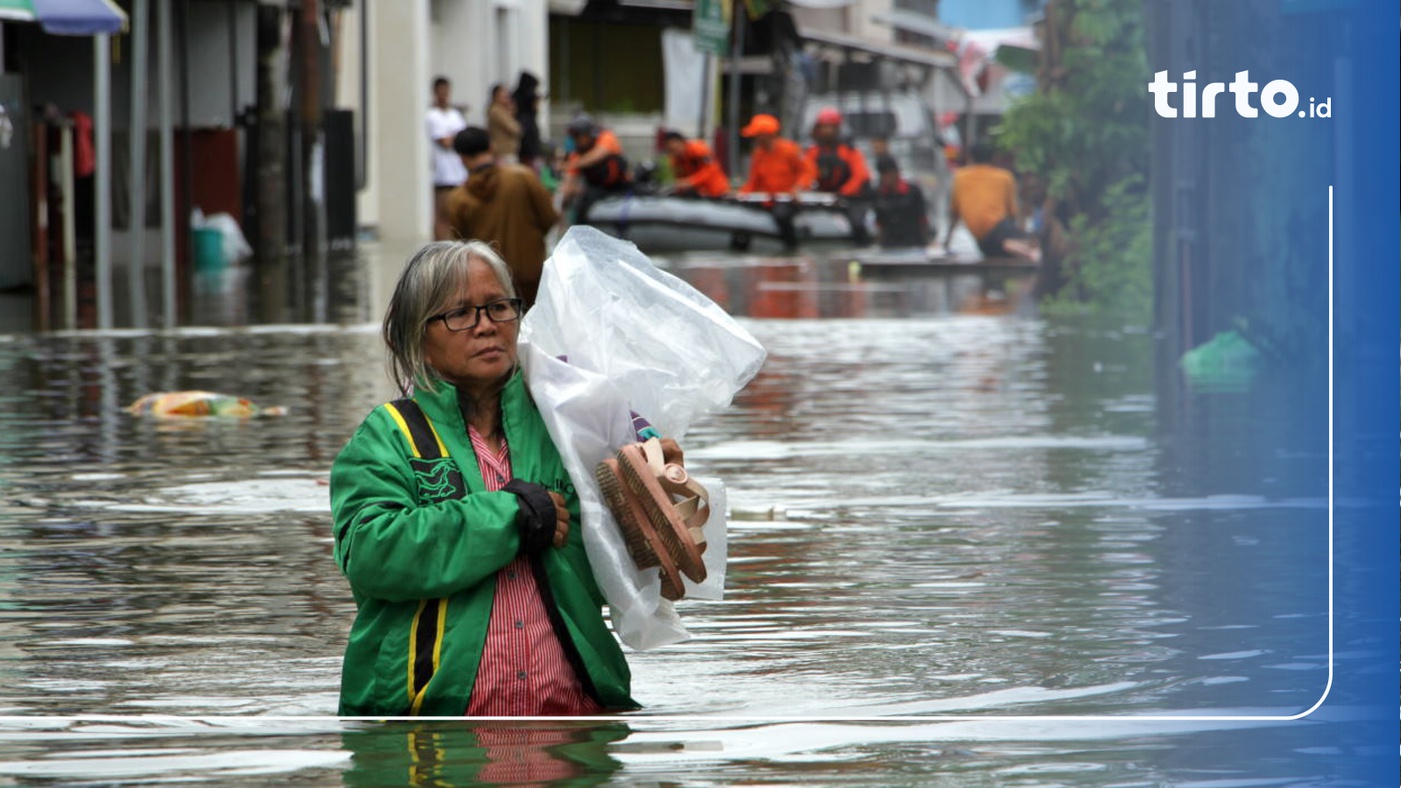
(941, 504)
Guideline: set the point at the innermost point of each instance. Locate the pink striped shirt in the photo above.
(523, 670)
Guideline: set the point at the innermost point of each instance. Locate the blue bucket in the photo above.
(208, 250)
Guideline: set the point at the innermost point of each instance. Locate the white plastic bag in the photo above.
(636, 339)
(236, 248)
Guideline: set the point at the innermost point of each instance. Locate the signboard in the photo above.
(708, 25)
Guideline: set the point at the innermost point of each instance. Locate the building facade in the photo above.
(387, 75)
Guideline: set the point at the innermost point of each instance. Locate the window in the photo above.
(872, 123)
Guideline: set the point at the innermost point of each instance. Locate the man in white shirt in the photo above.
(444, 121)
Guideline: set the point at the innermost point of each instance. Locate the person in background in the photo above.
(84, 183)
(444, 121)
(505, 205)
(455, 520)
(502, 125)
(527, 98)
(595, 168)
(841, 170)
(880, 146)
(696, 170)
(985, 199)
(776, 167)
(900, 208)
(551, 168)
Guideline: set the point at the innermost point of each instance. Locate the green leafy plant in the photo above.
(1085, 134)
(1112, 267)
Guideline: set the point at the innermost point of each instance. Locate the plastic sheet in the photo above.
(236, 248)
(609, 335)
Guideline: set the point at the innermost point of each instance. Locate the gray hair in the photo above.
(431, 278)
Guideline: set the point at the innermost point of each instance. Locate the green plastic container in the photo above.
(208, 250)
(1226, 364)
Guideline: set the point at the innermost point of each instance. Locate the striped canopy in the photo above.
(67, 17)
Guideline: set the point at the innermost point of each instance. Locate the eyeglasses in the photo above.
(502, 310)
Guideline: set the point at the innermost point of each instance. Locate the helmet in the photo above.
(582, 124)
(760, 124)
(828, 116)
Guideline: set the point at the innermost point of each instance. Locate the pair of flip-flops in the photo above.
(661, 511)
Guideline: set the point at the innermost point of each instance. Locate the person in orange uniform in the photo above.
(841, 170)
(777, 166)
(595, 168)
(695, 167)
(985, 198)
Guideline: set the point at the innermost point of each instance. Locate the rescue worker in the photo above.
(777, 167)
(696, 170)
(900, 208)
(596, 167)
(841, 170)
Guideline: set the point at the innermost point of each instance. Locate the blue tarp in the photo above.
(79, 17)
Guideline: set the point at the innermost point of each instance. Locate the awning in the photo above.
(567, 7)
(928, 58)
(67, 17)
(916, 22)
(985, 57)
(992, 40)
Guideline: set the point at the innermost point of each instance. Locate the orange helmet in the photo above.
(760, 124)
(828, 116)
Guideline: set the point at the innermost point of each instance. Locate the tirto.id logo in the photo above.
(1278, 98)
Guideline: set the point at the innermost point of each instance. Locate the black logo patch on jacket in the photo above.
(438, 479)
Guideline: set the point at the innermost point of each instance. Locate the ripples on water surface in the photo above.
(963, 515)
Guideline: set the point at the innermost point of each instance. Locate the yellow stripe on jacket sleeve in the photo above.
(442, 448)
(415, 698)
(404, 426)
(442, 628)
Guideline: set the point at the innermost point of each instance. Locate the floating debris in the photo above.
(1226, 364)
(198, 404)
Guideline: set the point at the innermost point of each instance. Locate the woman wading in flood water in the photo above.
(456, 522)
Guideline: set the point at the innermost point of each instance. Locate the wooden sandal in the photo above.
(679, 523)
(644, 545)
(628, 513)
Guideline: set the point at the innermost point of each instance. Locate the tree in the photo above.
(1084, 134)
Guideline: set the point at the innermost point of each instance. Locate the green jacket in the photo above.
(421, 540)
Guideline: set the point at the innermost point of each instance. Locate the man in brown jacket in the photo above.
(504, 205)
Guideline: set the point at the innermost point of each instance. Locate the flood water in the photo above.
(946, 512)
